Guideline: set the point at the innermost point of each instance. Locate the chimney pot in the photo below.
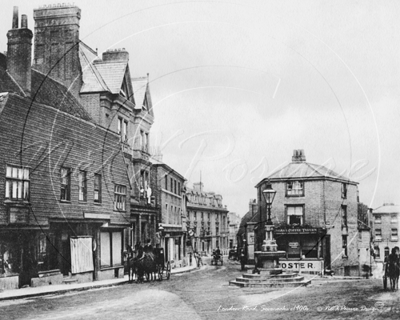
(24, 21)
(15, 18)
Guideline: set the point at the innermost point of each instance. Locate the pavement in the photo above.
(64, 288)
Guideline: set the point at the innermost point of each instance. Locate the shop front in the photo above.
(173, 243)
(305, 248)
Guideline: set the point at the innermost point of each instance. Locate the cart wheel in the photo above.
(168, 270)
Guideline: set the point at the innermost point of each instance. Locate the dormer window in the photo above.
(294, 189)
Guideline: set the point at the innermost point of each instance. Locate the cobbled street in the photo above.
(205, 294)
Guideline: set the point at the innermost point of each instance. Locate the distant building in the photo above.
(315, 214)
(385, 230)
(233, 223)
(169, 193)
(207, 220)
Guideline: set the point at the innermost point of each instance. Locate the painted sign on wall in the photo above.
(302, 265)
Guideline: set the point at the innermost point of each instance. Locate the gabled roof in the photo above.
(113, 73)
(139, 90)
(305, 170)
(92, 80)
(387, 208)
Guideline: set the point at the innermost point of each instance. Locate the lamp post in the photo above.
(269, 195)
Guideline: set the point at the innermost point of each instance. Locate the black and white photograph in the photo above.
(199, 159)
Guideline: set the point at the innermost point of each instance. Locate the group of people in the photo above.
(392, 268)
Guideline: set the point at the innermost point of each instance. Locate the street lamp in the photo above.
(269, 195)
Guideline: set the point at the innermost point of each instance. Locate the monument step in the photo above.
(269, 284)
(269, 280)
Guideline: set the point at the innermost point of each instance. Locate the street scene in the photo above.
(199, 160)
(205, 294)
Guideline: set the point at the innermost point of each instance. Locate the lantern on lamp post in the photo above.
(269, 195)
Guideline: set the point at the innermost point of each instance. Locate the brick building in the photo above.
(169, 193)
(385, 228)
(64, 191)
(315, 215)
(207, 219)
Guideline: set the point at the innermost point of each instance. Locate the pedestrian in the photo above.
(242, 259)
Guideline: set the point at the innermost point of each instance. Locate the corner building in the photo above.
(315, 216)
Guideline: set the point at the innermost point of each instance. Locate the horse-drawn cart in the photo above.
(163, 269)
(149, 266)
(217, 258)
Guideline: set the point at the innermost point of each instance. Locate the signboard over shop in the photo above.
(302, 265)
(296, 231)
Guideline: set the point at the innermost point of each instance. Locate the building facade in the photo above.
(385, 227)
(233, 225)
(114, 100)
(315, 215)
(169, 193)
(75, 153)
(64, 196)
(207, 220)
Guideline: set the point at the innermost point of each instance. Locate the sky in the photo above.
(238, 85)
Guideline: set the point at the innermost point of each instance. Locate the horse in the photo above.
(135, 268)
(393, 270)
(149, 266)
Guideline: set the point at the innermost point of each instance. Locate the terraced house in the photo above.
(75, 151)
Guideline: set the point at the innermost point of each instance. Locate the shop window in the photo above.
(82, 186)
(17, 183)
(119, 197)
(294, 188)
(378, 219)
(65, 184)
(294, 215)
(97, 188)
(344, 190)
(111, 248)
(310, 250)
(378, 235)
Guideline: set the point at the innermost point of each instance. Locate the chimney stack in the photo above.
(19, 52)
(56, 47)
(116, 55)
(298, 156)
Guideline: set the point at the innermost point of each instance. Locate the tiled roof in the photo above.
(113, 73)
(8, 84)
(47, 91)
(139, 91)
(92, 80)
(305, 170)
(389, 208)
